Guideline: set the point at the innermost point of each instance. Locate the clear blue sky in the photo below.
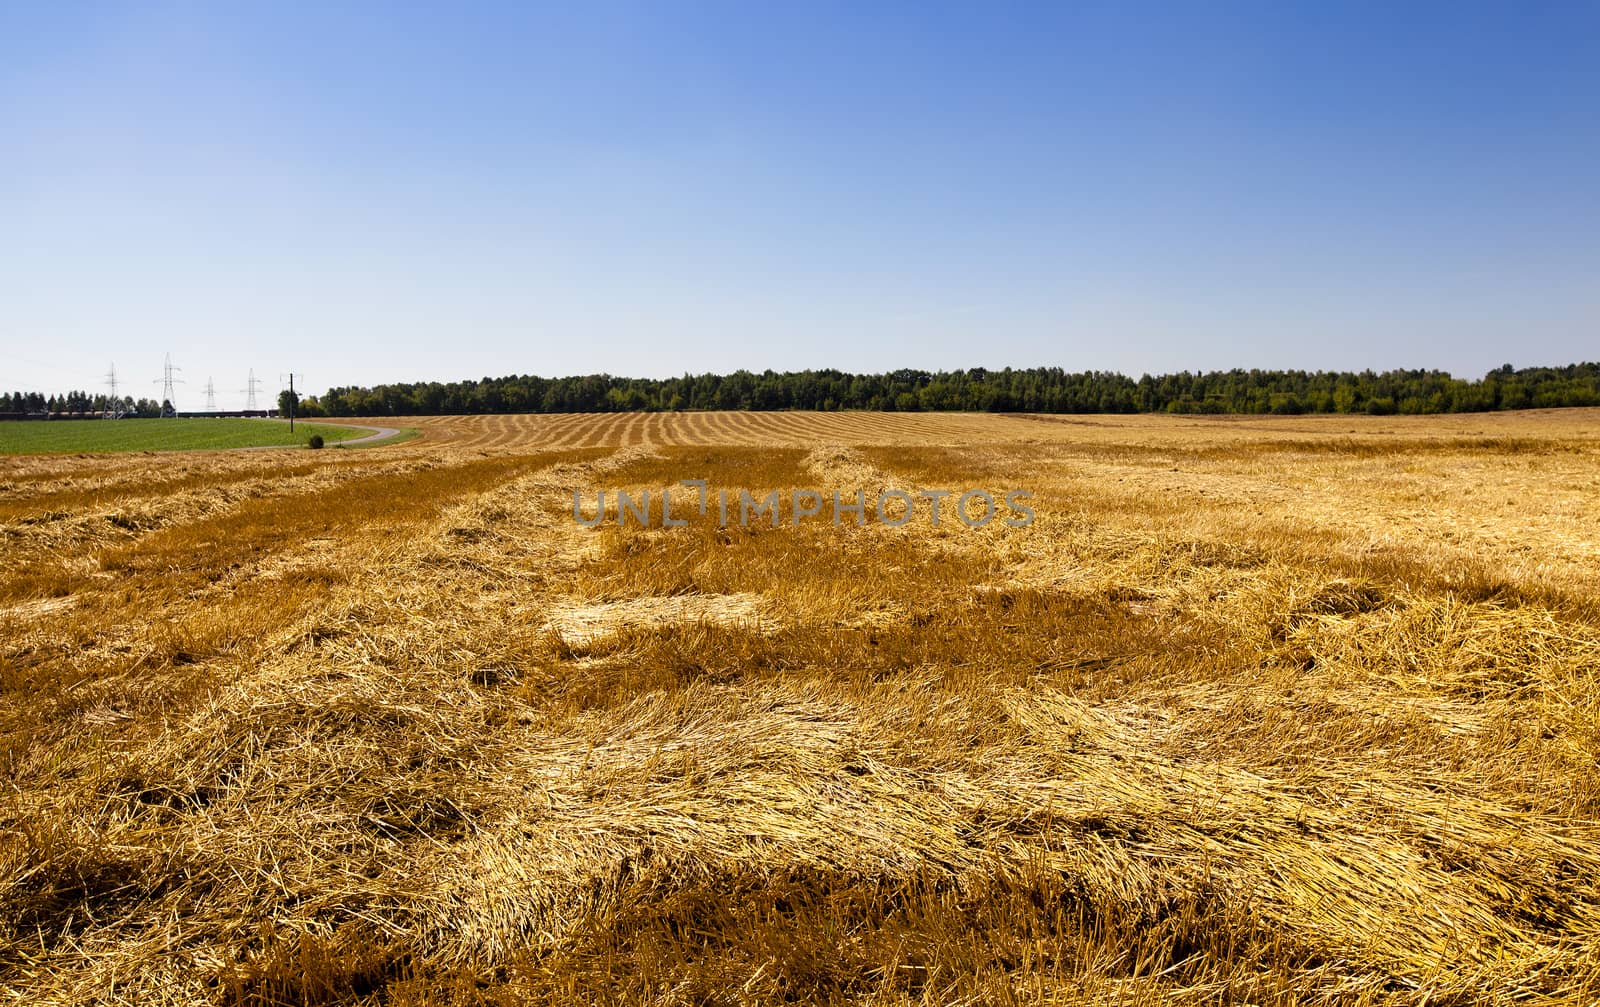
(369, 192)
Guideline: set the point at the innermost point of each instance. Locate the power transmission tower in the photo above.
(113, 404)
(250, 392)
(211, 397)
(168, 396)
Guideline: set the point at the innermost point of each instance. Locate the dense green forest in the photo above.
(1037, 389)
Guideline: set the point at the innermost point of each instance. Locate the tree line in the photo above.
(76, 404)
(1036, 389)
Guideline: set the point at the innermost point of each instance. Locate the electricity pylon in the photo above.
(250, 392)
(113, 408)
(168, 396)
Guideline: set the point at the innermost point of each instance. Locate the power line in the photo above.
(14, 358)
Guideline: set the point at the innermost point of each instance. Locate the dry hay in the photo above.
(578, 623)
(1149, 749)
(845, 469)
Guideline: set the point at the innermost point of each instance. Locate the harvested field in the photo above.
(1255, 710)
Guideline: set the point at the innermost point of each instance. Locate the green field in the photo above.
(76, 436)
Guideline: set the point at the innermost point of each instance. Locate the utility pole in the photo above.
(211, 397)
(168, 396)
(291, 396)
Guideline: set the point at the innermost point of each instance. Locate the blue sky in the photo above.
(370, 192)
